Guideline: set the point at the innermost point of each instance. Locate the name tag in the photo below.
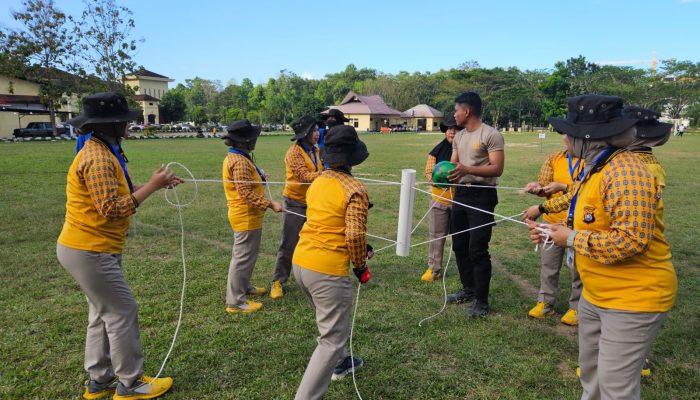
(570, 257)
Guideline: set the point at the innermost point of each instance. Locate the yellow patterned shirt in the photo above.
(245, 194)
(336, 224)
(300, 168)
(98, 202)
(622, 264)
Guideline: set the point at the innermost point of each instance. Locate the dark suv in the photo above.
(39, 129)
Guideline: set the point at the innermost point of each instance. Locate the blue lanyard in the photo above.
(122, 162)
(574, 168)
(246, 155)
(80, 142)
(312, 155)
(574, 199)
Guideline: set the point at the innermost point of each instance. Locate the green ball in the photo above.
(440, 172)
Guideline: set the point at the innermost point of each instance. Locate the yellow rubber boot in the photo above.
(276, 291)
(541, 310)
(144, 388)
(247, 307)
(570, 318)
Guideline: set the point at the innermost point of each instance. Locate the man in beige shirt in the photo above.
(477, 152)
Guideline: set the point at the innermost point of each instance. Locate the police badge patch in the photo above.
(588, 214)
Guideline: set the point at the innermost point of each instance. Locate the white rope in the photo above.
(432, 204)
(444, 289)
(472, 207)
(469, 229)
(178, 206)
(379, 181)
(471, 185)
(352, 330)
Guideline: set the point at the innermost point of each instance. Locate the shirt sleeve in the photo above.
(241, 174)
(630, 201)
(429, 165)
(546, 175)
(296, 162)
(495, 141)
(98, 170)
(559, 203)
(356, 228)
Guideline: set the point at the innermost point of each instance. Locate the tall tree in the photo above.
(40, 50)
(173, 105)
(107, 46)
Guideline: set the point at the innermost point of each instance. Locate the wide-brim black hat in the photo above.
(448, 123)
(242, 131)
(343, 146)
(593, 116)
(104, 108)
(648, 126)
(304, 127)
(337, 114)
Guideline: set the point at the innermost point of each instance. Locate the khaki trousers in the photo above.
(612, 348)
(112, 343)
(438, 226)
(331, 299)
(551, 259)
(244, 254)
(291, 226)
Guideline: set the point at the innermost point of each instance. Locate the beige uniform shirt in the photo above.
(473, 149)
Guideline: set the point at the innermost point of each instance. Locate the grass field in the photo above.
(263, 355)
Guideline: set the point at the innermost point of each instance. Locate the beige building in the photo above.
(423, 118)
(368, 113)
(20, 104)
(150, 88)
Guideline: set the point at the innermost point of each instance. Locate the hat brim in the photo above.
(445, 127)
(351, 156)
(304, 133)
(82, 120)
(653, 130)
(244, 135)
(592, 131)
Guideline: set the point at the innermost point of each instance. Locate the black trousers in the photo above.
(472, 248)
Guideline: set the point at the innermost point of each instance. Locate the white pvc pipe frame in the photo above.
(403, 234)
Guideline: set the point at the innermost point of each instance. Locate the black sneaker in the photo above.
(478, 309)
(346, 367)
(461, 297)
(96, 390)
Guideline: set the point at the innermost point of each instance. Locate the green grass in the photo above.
(262, 356)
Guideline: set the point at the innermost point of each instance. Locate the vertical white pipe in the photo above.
(403, 234)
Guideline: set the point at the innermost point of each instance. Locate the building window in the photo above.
(434, 124)
(355, 122)
(150, 104)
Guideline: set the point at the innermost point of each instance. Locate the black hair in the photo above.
(471, 100)
(246, 146)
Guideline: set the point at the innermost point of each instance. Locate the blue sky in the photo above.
(224, 40)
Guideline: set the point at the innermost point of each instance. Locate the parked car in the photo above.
(399, 128)
(135, 127)
(385, 129)
(39, 129)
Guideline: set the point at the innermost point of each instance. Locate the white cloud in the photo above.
(310, 75)
(689, 1)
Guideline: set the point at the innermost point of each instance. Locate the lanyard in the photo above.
(119, 153)
(574, 168)
(572, 207)
(246, 155)
(312, 155)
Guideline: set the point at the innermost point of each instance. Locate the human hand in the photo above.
(162, 178)
(560, 234)
(370, 251)
(458, 172)
(554, 187)
(534, 231)
(363, 274)
(533, 188)
(276, 206)
(532, 213)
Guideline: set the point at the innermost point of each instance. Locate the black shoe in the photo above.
(461, 297)
(347, 366)
(478, 309)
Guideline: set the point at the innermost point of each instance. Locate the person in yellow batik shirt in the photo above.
(303, 165)
(629, 283)
(440, 206)
(245, 195)
(100, 199)
(556, 177)
(332, 238)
